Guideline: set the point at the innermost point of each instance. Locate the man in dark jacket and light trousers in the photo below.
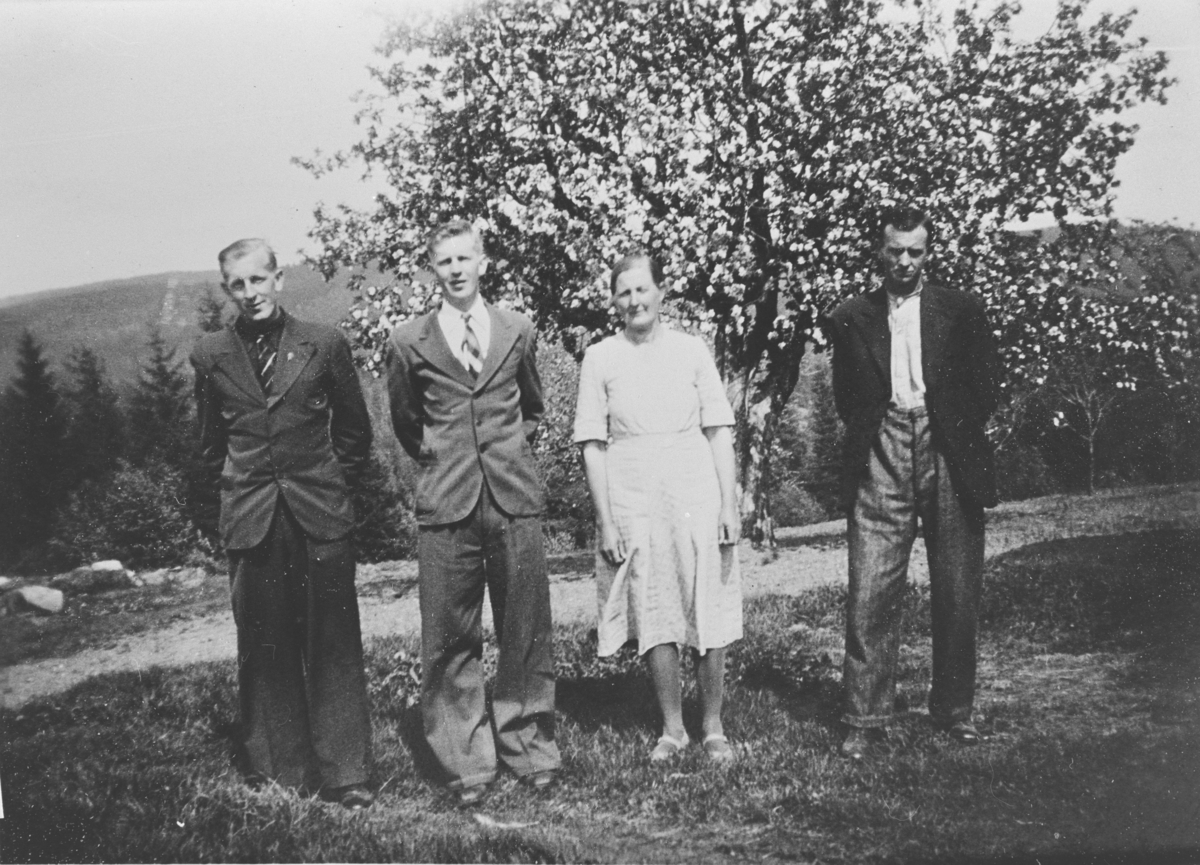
(286, 434)
(914, 375)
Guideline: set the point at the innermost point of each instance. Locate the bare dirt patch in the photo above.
(187, 620)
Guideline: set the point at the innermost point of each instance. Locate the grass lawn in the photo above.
(1089, 685)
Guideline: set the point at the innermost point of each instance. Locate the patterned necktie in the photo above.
(263, 355)
(471, 350)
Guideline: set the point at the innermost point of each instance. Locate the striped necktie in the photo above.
(263, 354)
(470, 346)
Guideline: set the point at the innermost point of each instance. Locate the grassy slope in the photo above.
(1089, 683)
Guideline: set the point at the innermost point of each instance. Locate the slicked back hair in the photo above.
(242, 248)
(632, 260)
(906, 219)
(452, 228)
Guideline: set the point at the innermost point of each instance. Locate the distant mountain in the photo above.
(113, 318)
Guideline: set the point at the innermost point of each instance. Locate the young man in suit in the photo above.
(915, 381)
(286, 435)
(465, 402)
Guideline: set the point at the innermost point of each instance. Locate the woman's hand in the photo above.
(729, 526)
(612, 545)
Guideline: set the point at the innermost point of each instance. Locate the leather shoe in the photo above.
(859, 740)
(473, 795)
(964, 733)
(539, 781)
(354, 797)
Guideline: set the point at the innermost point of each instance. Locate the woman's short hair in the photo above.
(632, 260)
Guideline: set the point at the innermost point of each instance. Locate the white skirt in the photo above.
(677, 585)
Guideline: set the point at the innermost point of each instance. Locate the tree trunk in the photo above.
(1091, 465)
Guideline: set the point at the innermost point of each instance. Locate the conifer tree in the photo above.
(32, 433)
(211, 310)
(160, 409)
(96, 425)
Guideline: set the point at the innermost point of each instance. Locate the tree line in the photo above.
(93, 469)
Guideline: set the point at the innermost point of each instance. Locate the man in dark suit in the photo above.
(286, 435)
(465, 402)
(915, 381)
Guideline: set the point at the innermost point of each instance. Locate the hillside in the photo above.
(113, 318)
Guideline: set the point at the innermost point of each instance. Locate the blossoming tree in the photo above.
(750, 145)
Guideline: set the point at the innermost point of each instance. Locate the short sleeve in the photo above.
(714, 404)
(591, 405)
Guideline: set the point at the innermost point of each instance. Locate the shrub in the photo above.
(136, 514)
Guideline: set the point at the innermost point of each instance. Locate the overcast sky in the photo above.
(141, 137)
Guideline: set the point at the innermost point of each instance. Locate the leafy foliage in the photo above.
(750, 145)
(136, 515)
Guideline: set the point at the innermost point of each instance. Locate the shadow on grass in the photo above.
(133, 767)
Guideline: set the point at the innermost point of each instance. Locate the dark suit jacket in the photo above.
(460, 431)
(309, 442)
(960, 368)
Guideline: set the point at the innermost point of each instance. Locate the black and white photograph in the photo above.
(568, 431)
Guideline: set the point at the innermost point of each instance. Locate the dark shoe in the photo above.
(473, 795)
(354, 797)
(859, 740)
(964, 733)
(539, 781)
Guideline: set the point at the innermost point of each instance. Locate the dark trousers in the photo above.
(303, 693)
(908, 480)
(456, 561)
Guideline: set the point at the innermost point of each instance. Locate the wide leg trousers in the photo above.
(301, 684)
(456, 561)
(909, 480)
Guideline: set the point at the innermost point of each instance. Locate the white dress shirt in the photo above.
(904, 323)
(454, 328)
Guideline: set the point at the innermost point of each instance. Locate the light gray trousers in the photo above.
(907, 481)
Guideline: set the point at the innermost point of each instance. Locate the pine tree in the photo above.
(211, 310)
(96, 425)
(32, 438)
(160, 410)
(822, 474)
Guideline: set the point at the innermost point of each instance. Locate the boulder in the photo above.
(7, 583)
(85, 580)
(39, 599)
(107, 565)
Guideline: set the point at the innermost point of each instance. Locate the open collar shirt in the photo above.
(904, 324)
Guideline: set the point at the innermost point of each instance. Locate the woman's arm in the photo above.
(720, 441)
(595, 466)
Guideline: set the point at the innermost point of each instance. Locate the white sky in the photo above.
(142, 136)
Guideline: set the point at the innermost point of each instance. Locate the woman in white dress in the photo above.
(654, 425)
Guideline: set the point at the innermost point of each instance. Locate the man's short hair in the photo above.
(453, 228)
(242, 248)
(905, 219)
(632, 260)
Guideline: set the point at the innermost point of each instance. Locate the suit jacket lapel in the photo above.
(233, 360)
(872, 319)
(504, 335)
(433, 347)
(294, 354)
(935, 329)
